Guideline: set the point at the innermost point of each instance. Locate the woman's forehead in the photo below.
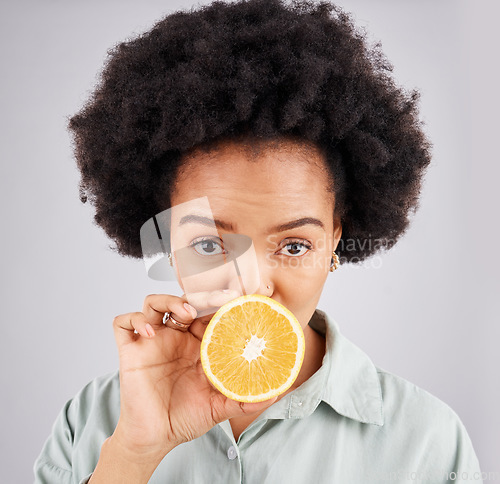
(271, 177)
(262, 205)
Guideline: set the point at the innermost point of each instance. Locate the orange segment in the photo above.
(252, 349)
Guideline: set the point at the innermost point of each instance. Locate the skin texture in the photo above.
(256, 192)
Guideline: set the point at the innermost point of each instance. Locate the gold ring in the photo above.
(170, 318)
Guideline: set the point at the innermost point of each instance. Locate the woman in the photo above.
(283, 127)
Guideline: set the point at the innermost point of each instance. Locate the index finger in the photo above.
(156, 305)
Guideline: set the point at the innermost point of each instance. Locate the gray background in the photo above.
(427, 310)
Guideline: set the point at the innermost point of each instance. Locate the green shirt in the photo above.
(351, 422)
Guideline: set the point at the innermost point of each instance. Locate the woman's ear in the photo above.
(337, 231)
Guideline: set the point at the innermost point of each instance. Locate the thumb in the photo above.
(233, 408)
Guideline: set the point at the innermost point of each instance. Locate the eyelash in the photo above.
(200, 240)
(301, 242)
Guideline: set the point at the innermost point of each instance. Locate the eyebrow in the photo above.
(209, 222)
(300, 222)
(293, 224)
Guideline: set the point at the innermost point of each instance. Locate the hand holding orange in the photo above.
(252, 349)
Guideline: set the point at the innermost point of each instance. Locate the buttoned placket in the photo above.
(231, 447)
(235, 449)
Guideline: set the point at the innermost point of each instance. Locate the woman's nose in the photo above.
(265, 274)
(266, 288)
(253, 271)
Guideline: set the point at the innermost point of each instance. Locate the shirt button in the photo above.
(299, 404)
(231, 453)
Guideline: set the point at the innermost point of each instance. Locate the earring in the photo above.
(169, 255)
(334, 264)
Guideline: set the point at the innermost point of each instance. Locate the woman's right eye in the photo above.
(207, 247)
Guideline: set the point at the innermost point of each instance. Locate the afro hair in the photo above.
(258, 69)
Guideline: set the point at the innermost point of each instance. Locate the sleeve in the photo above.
(72, 450)
(465, 467)
(449, 455)
(53, 465)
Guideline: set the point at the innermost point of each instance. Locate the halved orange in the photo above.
(252, 349)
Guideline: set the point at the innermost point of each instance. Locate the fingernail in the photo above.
(226, 291)
(190, 310)
(150, 330)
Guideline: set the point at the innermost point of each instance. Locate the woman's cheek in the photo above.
(299, 283)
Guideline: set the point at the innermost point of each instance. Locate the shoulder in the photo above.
(424, 421)
(97, 401)
(85, 421)
(103, 386)
(402, 399)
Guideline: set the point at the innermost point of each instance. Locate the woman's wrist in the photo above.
(120, 464)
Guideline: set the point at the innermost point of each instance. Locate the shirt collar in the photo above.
(347, 381)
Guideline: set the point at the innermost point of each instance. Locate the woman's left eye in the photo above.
(207, 247)
(296, 249)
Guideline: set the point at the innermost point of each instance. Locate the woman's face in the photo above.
(279, 199)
